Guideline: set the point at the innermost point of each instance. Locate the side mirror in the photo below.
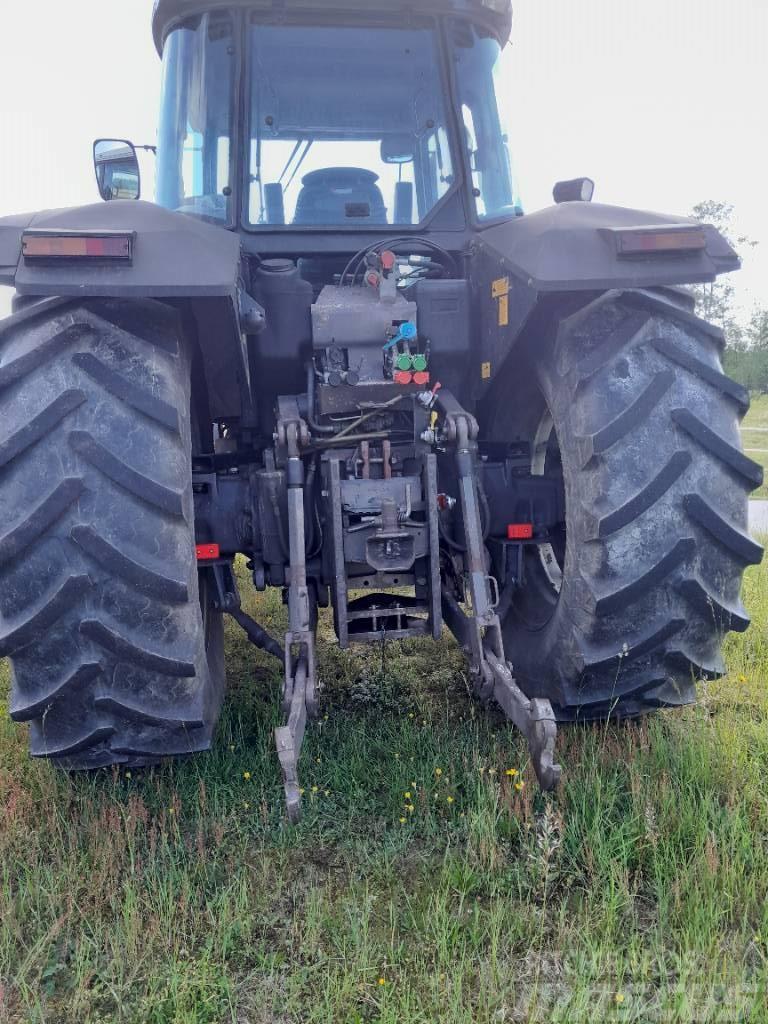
(577, 190)
(117, 169)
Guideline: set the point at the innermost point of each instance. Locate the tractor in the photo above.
(335, 344)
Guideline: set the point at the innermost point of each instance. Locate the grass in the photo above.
(754, 437)
(639, 892)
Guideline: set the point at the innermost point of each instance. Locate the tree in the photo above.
(716, 301)
(746, 355)
(757, 330)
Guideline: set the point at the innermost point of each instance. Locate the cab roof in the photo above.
(497, 14)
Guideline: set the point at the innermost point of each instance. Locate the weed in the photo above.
(178, 895)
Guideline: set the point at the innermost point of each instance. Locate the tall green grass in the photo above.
(425, 883)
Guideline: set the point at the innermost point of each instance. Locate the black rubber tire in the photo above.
(113, 659)
(656, 489)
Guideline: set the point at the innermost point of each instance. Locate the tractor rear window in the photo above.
(194, 137)
(348, 126)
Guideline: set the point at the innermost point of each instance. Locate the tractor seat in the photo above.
(340, 195)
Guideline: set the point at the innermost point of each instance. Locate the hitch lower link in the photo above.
(479, 632)
(300, 686)
(299, 698)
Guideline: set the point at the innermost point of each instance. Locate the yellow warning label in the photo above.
(503, 311)
(485, 371)
(500, 292)
(500, 287)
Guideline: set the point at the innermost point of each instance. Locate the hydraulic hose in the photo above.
(318, 428)
(258, 636)
(486, 516)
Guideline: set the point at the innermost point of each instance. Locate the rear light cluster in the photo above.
(110, 246)
(520, 531)
(652, 241)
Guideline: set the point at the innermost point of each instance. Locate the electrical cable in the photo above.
(400, 240)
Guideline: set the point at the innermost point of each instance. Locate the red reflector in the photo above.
(207, 552)
(642, 241)
(519, 531)
(68, 245)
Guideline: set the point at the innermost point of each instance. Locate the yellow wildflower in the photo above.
(519, 786)
(619, 998)
(410, 808)
(314, 789)
(246, 776)
(449, 799)
(327, 792)
(407, 794)
(511, 772)
(438, 772)
(402, 821)
(382, 981)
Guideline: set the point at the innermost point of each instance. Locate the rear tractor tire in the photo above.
(628, 606)
(115, 658)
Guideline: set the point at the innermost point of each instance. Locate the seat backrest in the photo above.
(337, 195)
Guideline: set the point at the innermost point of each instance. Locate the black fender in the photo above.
(564, 256)
(177, 258)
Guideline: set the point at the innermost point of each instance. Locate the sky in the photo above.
(664, 103)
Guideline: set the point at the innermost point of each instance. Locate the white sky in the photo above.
(663, 102)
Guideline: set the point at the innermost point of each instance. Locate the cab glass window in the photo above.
(195, 132)
(479, 68)
(342, 133)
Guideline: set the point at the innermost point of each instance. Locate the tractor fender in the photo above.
(563, 257)
(176, 257)
(573, 247)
